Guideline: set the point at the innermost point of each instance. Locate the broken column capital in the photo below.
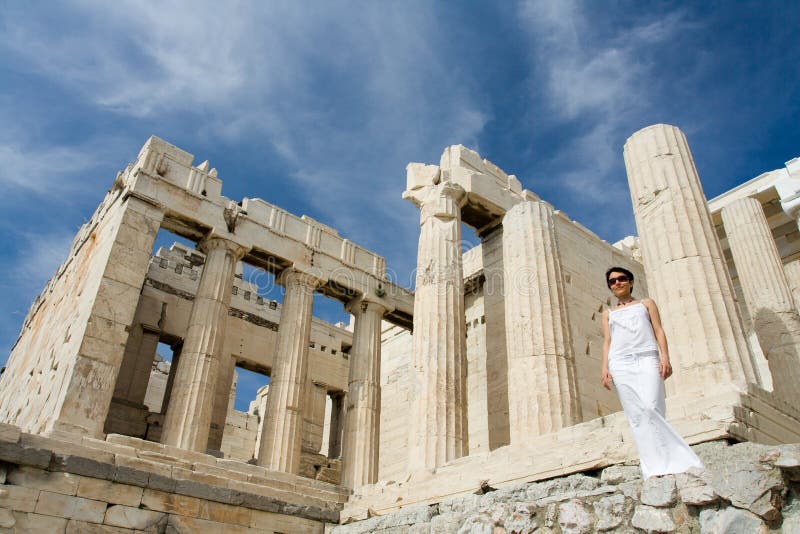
(443, 201)
(430, 194)
(420, 175)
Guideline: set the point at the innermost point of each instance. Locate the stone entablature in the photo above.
(277, 238)
(175, 271)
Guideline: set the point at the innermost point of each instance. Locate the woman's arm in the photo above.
(605, 376)
(665, 368)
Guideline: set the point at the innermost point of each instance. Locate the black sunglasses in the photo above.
(620, 279)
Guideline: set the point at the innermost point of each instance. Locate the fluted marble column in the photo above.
(281, 433)
(766, 292)
(438, 421)
(792, 270)
(191, 403)
(542, 387)
(363, 415)
(686, 273)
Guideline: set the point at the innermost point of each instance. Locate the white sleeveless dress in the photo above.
(633, 362)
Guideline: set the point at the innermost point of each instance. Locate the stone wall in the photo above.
(125, 485)
(584, 260)
(745, 488)
(71, 343)
(239, 437)
(395, 357)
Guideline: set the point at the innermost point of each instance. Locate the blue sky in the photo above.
(319, 106)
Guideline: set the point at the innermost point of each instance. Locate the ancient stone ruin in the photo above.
(454, 407)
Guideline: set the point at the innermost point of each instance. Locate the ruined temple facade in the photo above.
(486, 374)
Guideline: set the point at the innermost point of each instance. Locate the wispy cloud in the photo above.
(36, 259)
(600, 86)
(41, 255)
(39, 170)
(591, 73)
(345, 97)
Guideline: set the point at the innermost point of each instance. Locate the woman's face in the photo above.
(619, 284)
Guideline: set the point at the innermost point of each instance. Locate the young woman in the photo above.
(636, 361)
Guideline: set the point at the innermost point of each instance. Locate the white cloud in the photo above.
(36, 260)
(586, 73)
(346, 95)
(39, 170)
(603, 83)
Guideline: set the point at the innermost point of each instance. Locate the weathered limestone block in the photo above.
(30, 522)
(280, 443)
(573, 486)
(133, 518)
(732, 520)
(610, 512)
(695, 490)
(683, 262)
(362, 419)
(574, 518)
(191, 402)
(444, 522)
(438, 422)
(284, 523)
(126, 418)
(18, 498)
(659, 491)
(19, 453)
(616, 474)
(652, 519)
(788, 461)
(542, 389)
(755, 487)
(460, 505)
(59, 505)
(170, 502)
(98, 490)
(521, 518)
(766, 291)
(64, 483)
(9, 433)
(413, 515)
(6, 518)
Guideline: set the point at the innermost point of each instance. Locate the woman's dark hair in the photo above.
(622, 270)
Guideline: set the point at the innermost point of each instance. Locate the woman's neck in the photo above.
(624, 301)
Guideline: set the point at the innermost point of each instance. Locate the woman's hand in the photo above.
(665, 368)
(605, 378)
